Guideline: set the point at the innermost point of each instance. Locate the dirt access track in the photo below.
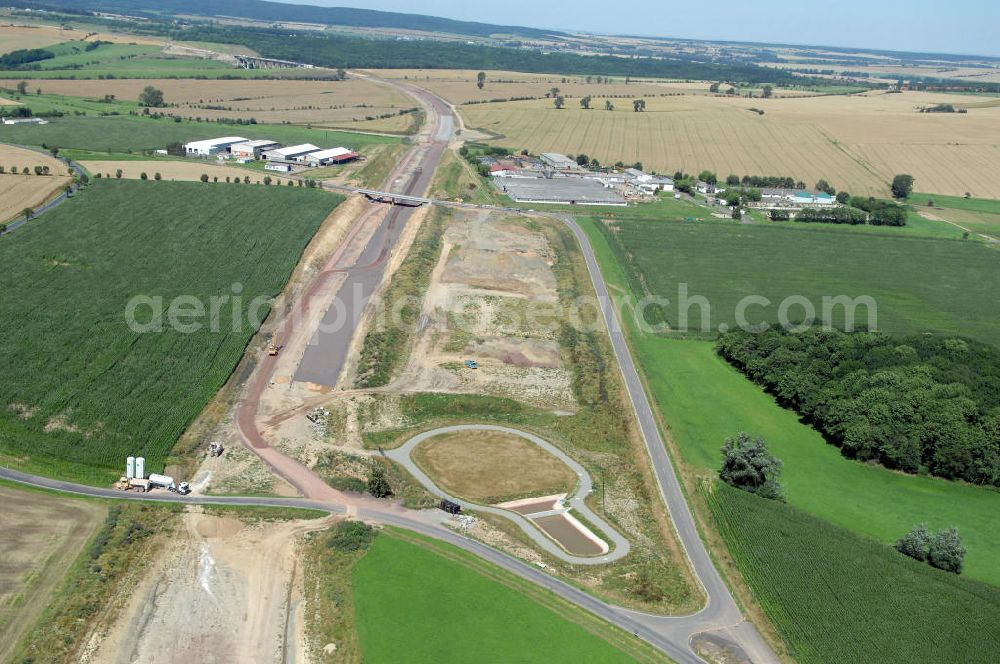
(42, 536)
(222, 591)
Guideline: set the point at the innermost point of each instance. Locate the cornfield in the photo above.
(837, 597)
(80, 389)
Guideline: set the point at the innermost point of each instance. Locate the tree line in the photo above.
(337, 50)
(921, 404)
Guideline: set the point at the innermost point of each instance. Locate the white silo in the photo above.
(140, 468)
(130, 467)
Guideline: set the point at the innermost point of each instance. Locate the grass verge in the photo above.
(408, 588)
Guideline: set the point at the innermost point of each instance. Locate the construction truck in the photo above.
(272, 346)
(136, 484)
(167, 482)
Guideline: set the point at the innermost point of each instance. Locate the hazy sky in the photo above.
(958, 26)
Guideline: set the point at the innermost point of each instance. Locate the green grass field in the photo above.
(81, 389)
(918, 283)
(704, 400)
(417, 604)
(125, 133)
(979, 215)
(837, 598)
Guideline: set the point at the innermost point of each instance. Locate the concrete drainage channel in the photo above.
(551, 525)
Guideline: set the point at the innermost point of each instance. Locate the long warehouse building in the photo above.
(211, 146)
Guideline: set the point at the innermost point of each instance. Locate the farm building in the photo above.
(331, 156)
(656, 183)
(11, 121)
(796, 197)
(280, 165)
(252, 149)
(706, 188)
(558, 161)
(637, 176)
(211, 146)
(291, 153)
(571, 191)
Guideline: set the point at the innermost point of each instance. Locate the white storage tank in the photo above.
(140, 468)
(130, 467)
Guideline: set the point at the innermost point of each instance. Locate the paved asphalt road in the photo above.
(621, 546)
(14, 225)
(330, 344)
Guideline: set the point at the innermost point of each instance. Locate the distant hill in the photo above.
(281, 12)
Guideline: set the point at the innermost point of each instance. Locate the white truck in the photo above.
(167, 482)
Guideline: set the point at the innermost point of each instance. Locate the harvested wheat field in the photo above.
(855, 142)
(181, 171)
(43, 535)
(319, 103)
(14, 37)
(459, 85)
(492, 466)
(21, 191)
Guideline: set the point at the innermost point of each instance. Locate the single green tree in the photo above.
(27, 213)
(118, 174)
(638, 105)
(714, 87)
(825, 186)
(204, 177)
(143, 176)
(916, 543)
(585, 102)
(843, 197)
(560, 102)
(767, 91)
(157, 176)
(480, 80)
(378, 483)
(747, 465)
(151, 97)
(946, 551)
(902, 185)
(608, 106)
(22, 88)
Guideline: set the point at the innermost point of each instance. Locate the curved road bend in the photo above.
(621, 546)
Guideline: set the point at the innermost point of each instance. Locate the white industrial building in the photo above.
(211, 146)
(280, 165)
(331, 156)
(291, 153)
(31, 120)
(558, 161)
(252, 149)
